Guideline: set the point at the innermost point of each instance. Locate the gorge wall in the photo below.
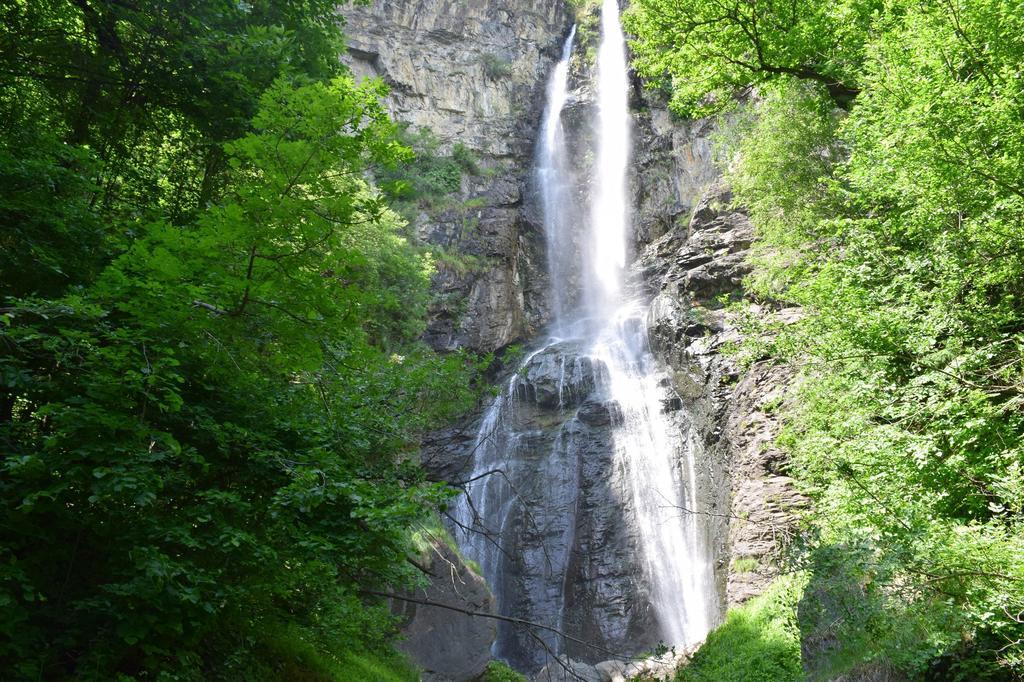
(474, 73)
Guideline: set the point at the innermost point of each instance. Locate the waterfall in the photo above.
(484, 514)
(577, 468)
(609, 215)
(554, 183)
(663, 494)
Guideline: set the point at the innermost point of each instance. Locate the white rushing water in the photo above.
(554, 184)
(653, 463)
(663, 497)
(661, 489)
(608, 216)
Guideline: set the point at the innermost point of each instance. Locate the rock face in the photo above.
(559, 377)
(569, 555)
(687, 270)
(672, 167)
(565, 669)
(473, 72)
(448, 646)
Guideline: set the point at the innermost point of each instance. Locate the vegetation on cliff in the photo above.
(210, 378)
(881, 157)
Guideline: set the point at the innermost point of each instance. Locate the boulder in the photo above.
(611, 671)
(560, 376)
(448, 646)
(564, 669)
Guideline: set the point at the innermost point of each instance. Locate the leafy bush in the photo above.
(759, 640)
(495, 67)
(210, 373)
(883, 167)
(466, 158)
(498, 671)
(429, 178)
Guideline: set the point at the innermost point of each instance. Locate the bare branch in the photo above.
(507, 619)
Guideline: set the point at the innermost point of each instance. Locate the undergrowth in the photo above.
(759, 640)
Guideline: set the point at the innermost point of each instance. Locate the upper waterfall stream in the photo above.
(581, 507)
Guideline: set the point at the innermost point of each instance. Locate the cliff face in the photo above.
(750, 499)
(446, 645)
(473, 72)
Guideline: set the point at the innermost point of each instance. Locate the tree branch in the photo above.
(507, 619)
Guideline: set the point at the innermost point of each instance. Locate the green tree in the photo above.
(708, 51)
(211, 383)
(897, 225)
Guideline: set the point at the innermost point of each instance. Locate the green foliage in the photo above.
(744, 564)
(588, 27)
(361, 666)
(211, 384)
(497, 671)
(759, 640)
(429, 178)
(466, 158)
(289, 653)
(895, 223)
(495, 67)
(709, 51)
(430, 532)
(459, 263)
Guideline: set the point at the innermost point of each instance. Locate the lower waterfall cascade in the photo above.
(582, 506)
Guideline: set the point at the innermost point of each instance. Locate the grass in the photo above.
(759, 641)
(497, 671)
(363, 666)
(459, 263)
(745, 564)
(286, 655)
(432, 530)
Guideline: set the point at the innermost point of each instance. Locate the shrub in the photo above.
(759, 640)
(495, 67)
(498, 671)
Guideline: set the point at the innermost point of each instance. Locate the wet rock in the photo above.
(560, 376)
(448, 646)
(604, 413)
(565, 670)
(672, 404)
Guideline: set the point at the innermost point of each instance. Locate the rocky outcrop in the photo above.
(561, 376)
(569, 556)
(764, 501)
(565, 669)
(447, 646)
(672, 167)
(473, 72)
